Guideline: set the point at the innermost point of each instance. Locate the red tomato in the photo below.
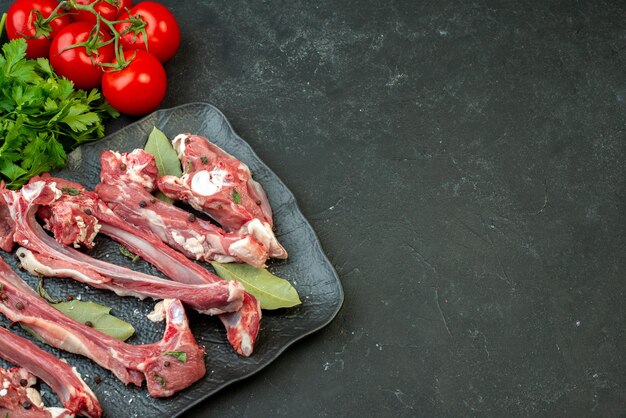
(21, 18)
(75, 63)
(124, 4)
(161, 27)
(103, 8)
(138, 88)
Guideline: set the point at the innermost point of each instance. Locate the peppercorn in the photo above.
(87, 211)
(123, 167)
(89, 324)
(23, 382)
(143, 204)
(19, 306)
(191, 217)
(27, 405)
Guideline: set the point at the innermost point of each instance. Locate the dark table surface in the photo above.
(463, 164)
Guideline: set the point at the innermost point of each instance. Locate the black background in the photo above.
(463, 166)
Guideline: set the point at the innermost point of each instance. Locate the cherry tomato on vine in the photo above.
(124, 4)
(104, 8)
(80, 63)
(162, 30)
(27, 19)
(138, 88)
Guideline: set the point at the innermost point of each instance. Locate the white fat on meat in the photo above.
(82, 235)
(208, 183)
(241, 248)
(34, 267)
(260, 230)
(34, 396)
(195, 244)
(158, 312)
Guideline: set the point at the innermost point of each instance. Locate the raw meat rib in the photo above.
(242, 328)
(74, 394)
(20, 400)
(163, 373)
(49, 257)
(136, 167)
(129, 197)
(221, 186)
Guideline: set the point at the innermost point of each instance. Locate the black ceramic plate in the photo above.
(307, 268)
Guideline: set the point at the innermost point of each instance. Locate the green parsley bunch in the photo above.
(42, 116)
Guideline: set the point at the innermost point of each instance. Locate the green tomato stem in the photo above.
(3, 20)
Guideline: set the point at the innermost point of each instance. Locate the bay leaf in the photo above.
(165, 156)
(98, 317)
(270, 290)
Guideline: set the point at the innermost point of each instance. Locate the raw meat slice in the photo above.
(155, 363)
(73, 392)
(129, 197)
(46, 256)
(136, 167)
(221, 186)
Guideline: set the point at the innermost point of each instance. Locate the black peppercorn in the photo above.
(143, 204)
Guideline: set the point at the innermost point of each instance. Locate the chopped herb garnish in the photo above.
(44, 293)
(178, 355)
(125, 251)
(204, 159)
(236, 197)
(159, 379)
(70, 190)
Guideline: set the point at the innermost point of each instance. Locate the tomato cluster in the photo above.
(102, 43)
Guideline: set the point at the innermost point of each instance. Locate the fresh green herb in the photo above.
(42, 116)
(165, 156)
(159, 379)
(236, 197)
(189, 166)
(128, 253)
(271, 291)
(70, 191)
(204, 159)
(44, 293)
(179, 355)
